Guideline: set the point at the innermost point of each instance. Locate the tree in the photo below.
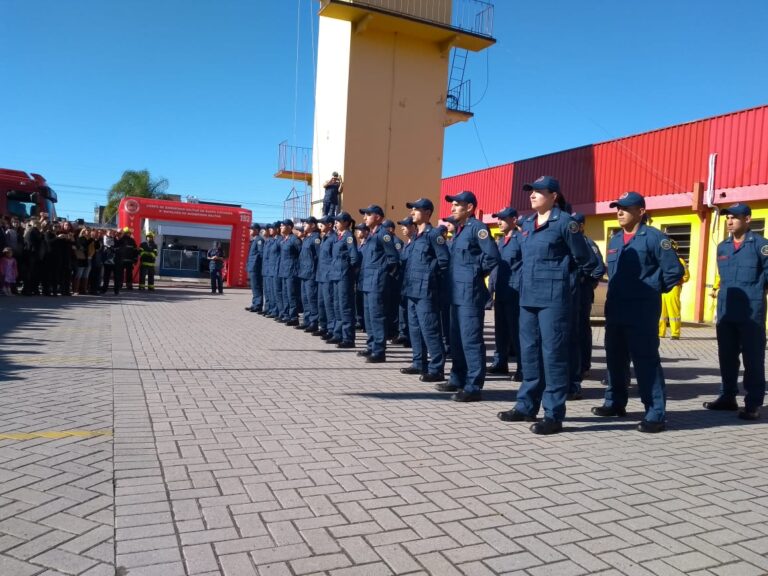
(134, 183)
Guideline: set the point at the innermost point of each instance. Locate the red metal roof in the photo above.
(660, 162)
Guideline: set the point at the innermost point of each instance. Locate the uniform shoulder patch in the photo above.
(573, 226)
(350, 240)
(666, 244)
(441, 240)
(317, 240)
(764, 250)
(482, 234)
(594, 249)
(387, 238)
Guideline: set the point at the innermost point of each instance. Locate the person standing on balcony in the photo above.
(333, 189)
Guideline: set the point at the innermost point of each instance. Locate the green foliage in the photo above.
(134, 183)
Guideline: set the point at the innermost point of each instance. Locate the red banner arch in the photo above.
(133, 211)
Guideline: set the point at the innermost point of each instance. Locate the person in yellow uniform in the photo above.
(670, 304)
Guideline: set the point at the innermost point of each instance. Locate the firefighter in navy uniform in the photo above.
(586, 299)
(409, 231)
(326, 313)
(253, 268)
(308, 257)
(553, 249)
(580, 346)
(473, 255)
(342, 275)
(507, 301)
(742, 264)
(287, 272)
(380, 265)
(147, 258)
(427, 256)
(641, 266)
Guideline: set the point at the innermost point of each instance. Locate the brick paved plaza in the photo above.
(173, 433)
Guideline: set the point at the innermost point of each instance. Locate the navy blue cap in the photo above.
(421, 204)
(272, 224)
(310, 220)
(449, 219)
(362, 227)
(287, 222)
(387, 223)
(328, 219)
(442, 229)
(465, 196)
(738, 210)
(299, 228)
(629, 199)
(372, 209)
(543, 183)
(578, 217)
(255, 226)
(343, 217)
(408, 221)
(508, 212)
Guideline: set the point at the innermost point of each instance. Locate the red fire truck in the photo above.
(25, 195)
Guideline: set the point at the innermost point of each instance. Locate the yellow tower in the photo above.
(382, 100)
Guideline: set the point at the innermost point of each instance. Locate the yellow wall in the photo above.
(436, 10)
(330, 105)
(391, 144)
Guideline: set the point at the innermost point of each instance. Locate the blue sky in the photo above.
(201, 92)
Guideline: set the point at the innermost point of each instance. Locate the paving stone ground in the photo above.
(175, 434)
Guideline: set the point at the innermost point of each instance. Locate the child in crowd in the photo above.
(8, 271)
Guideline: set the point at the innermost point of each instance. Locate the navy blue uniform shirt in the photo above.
(510, 266)
(380, 258)
(473, 256)
(640, 271)
(743, 279)
(552, 255)
(345, 256)
(425, 257)
(308, 257)
(290, 246)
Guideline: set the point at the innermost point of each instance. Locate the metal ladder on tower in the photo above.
(456, 82)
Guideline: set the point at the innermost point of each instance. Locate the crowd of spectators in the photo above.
(53, 258)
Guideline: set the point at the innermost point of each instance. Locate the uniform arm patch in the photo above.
(764, 250)
(387, 238)
(482, 234)
(441, 240)
(317, 240)
(573, 226)
(350, 240)
(666, 244)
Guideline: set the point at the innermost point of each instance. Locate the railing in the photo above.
(459, 98)
(297, 204)
(475, 16)
(294, 158)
